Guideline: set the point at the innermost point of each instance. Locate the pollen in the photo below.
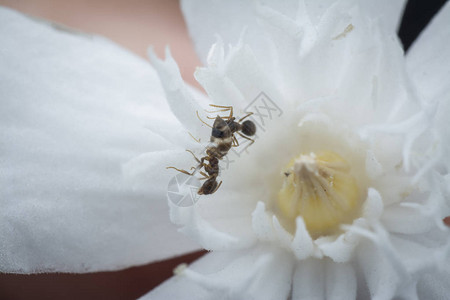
(319, 187)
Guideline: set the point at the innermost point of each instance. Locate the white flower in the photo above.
(340, 197)
(350, 105)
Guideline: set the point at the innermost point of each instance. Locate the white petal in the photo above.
(284, 237)
(180, 99)
(340, 250)
(381, 278)
(428, 62)
(309, 280)
(373, 167)
(373, 207)
(238, 80)
(302, 244)
(205, 19)
(389, 11)
(74, 110)
(340, 281)
(220, 89)
(428, 58)
(414, 255)
(403, 219)
(259, 273)
(267, 227)
(262, 223)
(434, 286)
(201, 228)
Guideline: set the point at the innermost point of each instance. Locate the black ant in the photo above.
(211, 168)
(222, 134)
(224, 128)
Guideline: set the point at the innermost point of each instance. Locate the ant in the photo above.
(222, 134)
(224, 128)
(210, 186)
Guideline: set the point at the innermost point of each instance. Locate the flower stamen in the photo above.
(320, 188)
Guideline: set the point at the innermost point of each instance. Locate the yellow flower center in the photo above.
(321, 188)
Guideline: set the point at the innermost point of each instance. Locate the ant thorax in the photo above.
(221, 132)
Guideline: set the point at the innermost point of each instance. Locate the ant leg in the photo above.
(202, 120)
(198, 160)
(252, 141)
(198, 141)
(235, 141)
(205, 176)
(247, 115)
(182, 171)
(217, 187)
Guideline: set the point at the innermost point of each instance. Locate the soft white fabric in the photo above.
(76, 111)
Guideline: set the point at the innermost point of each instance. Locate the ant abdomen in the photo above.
(209, 187)
(248, 128)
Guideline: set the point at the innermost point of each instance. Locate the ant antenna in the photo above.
(225, 108)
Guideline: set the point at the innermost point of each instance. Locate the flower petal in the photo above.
(381, 278)
(204, 20)
(257, 273)
(428, 62)
(309, 280)
(302, 244)
(75, 109)
(389, 11)
(179, 97)
(434, 286)
(340, 281)
(262, 223)
(415, 256)
(403, 219)
(237, 80)
(210, 223)
(428, 58)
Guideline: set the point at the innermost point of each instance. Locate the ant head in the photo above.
(248, 128)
